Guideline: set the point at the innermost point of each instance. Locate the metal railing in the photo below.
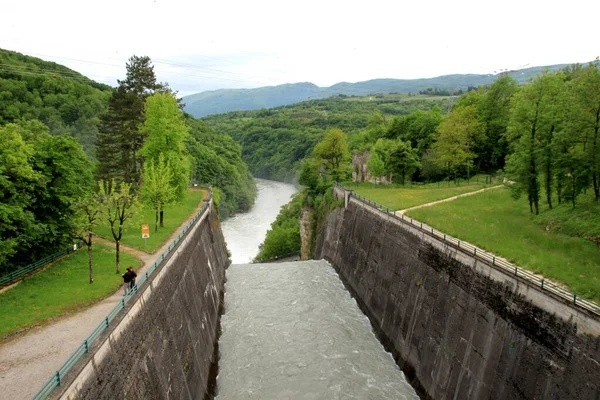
(18, 274)
(483, 255)
(57, 378)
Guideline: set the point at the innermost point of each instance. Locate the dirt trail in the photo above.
(445, 200)
(28, 360)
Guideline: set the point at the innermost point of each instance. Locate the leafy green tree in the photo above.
(375, 164)
(118, 206)
(157, 190)
(587, 96)
(310, 177)
(42, 176)
(16, 178)
(333, 155)
(494, 113)
(456, 134)
(166, 133)
(403, 160)
(526, 122)
(87, 216)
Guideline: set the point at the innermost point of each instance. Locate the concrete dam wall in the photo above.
(460, 329)
(163, 346)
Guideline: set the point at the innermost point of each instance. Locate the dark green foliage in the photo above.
(41, 177)
(275, 141)
(217, 161)
(64, 100)
(121, 137)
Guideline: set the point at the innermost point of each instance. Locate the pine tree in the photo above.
(120, 136)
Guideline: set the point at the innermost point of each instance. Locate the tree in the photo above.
(157, 190)
(166, 133)
(120, 137)
(88, 210)
(41, 177)
(16, 178)
(587, 95)
(494, 113)
(457, 133)
(403, 160)
(375, 164)
(118, 206)
(332, 155)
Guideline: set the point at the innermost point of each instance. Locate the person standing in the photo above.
(128, 280)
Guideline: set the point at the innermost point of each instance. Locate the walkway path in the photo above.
(448, 199)
(28, 360)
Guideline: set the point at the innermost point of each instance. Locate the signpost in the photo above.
(145, 233)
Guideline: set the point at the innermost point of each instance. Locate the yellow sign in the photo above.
(145, 231)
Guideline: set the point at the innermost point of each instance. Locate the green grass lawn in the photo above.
(60, 289)
(397, 197)
(174, 216)
(495, 222)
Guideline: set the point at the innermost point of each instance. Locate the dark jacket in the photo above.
(129, 276)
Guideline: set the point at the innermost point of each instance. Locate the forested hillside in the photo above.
(142, 150)
(64, 100)
(275, 141)
(226, 100)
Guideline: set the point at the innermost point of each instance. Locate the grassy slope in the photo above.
(398, 198)
(174, 216)
(582, 221)
(494, 221)
(60, 289)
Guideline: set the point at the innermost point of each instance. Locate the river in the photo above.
(291, 330)
(244, 232)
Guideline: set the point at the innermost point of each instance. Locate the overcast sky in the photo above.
(206, 45)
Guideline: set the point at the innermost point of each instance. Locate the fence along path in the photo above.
(33, 360)
(485, 256)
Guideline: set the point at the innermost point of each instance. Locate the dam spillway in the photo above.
(292, 331)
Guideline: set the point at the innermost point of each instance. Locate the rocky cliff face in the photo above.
(360, 171)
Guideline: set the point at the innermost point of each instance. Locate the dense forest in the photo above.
(275, 141)
(64, 100)
(543, 136)
(77, 152)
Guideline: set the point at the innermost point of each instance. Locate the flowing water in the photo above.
(291, 330)
(246, 231)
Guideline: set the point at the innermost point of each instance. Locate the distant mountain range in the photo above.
(225, 100)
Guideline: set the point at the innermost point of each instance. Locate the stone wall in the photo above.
(164, 345)
(458, 329)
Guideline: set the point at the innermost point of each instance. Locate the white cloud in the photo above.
(211, 45)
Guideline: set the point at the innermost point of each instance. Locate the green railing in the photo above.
(83, 349)
(483, 255)
(18, 274)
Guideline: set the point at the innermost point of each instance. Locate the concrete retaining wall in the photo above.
(458, 328)
(163, 346)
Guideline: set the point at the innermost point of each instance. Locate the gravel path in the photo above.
(448, 199)
(28, 360)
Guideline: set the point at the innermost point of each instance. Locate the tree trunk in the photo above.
(594, 157)
(118, 260)
(548, 168)
(161, 218)
(559, 188)
(156, 220)
(90, 262)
